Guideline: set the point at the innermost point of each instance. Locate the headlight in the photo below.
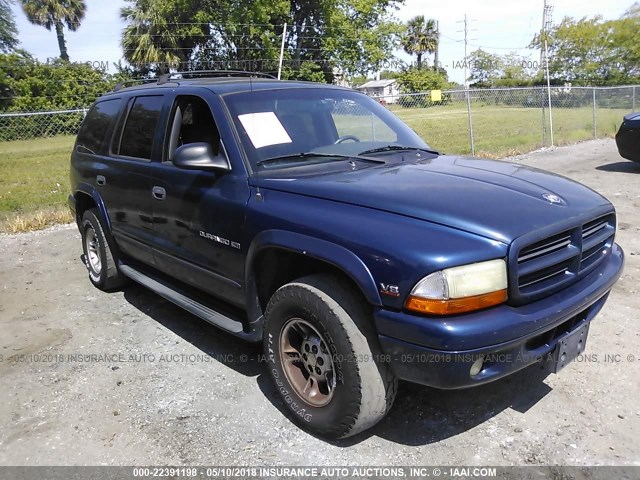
(460, 289)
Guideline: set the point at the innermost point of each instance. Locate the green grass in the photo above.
(34, 182)
(34, 179)
(504, 131)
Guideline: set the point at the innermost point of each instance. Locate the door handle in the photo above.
(159, 193)
(101, 181)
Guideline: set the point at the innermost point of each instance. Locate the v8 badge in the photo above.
(389, 290)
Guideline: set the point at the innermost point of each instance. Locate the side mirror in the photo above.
(199, 156)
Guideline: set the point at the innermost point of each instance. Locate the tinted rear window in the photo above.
(98, 126)
(137, 139)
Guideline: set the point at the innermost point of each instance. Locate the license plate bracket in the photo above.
(569, 347)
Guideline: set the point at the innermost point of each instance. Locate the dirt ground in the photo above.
(189, 394)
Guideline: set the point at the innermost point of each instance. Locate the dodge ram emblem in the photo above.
(554, 199)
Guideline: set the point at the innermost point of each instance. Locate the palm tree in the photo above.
(56, 14)
(151, 39)
(421, 37)
(8, 30)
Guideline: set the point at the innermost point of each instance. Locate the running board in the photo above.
(215, 318)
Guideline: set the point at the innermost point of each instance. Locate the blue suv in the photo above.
(308, 217)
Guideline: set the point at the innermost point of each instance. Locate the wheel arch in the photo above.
(301, 255)
(86, 198)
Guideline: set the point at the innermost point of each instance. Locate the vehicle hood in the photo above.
(497, 200)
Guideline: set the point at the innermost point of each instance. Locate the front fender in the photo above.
(331, 253)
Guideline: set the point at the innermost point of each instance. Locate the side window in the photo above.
(140, 128)
(192, 122)
(98, 125)
(353, 119)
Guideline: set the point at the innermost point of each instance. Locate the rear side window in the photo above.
(97, 127)
(140, 129)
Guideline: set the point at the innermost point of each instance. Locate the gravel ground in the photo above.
(170, 406)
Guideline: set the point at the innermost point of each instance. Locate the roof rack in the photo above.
(213, 74)
(120, 85)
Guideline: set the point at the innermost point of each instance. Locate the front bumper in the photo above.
(439, 351)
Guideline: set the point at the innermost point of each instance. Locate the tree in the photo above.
(350, 36)
(414, 80)
(421, 38)
(418, 81)
(593, 51)
(28, 85)
(56, 14)
(356, 36)
(484, 68)
(161, 34)
(8, 29)
(625, 44)
(488, 70)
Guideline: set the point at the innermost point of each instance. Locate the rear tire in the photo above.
(324, 357)
(98, 255)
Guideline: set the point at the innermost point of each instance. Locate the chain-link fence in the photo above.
(491, 122)
(503, 121)
(29, 125)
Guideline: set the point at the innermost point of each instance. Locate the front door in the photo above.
(198, 223)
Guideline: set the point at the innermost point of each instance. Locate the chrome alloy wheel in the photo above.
(92, 247)
(307, 362)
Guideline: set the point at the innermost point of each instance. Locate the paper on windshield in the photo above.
(264, 129)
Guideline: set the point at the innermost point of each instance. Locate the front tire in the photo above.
(324, 357)
(98, 255)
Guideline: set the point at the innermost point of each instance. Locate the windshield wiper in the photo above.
(306, 155)
(391, 148)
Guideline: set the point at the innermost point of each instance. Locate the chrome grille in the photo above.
(553, 263)
(545, 247)
(596, 239)
(546, 262)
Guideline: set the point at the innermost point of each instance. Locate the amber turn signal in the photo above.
(455, 305)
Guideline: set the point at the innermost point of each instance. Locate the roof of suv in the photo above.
(223, 85)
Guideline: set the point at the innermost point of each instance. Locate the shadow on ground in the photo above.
(423, 415)
(420, 415)
(225, 348)
(621, 167)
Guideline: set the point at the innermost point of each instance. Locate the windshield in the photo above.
(292, 124)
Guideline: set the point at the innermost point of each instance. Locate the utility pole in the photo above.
(466, 85)
(466, 43)
(284, 37)
(547, 23)
(436, 57)
(466, 40)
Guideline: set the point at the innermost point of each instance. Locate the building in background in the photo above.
(383, 90)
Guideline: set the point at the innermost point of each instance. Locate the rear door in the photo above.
(127, 186)
(90, 157)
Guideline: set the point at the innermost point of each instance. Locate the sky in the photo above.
(498, 26)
